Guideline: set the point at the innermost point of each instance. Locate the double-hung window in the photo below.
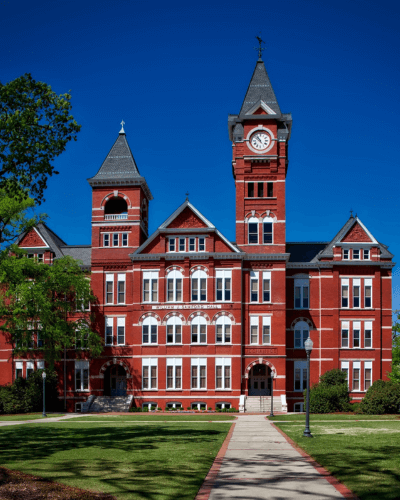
(367, 292)
(356, 254)
(115, 239)
(19, 369)
(345, 292)
(199, 373)
(121, 331)
(254, 329)
(150, 286)
(366, 254)
(266, 286)
(357, 334)
(199, 330)
(106, 240)
(182, 244)
(174, 286)
(356, 292)
(301, 334)
(367, 375)
(345, 334)
(171, 246)
(149, 373)
(121, 288)
(149, 330)
(356, 375)
(109, 331)
(124, 237)
(30, 368)
(346, 254)
(254, 286)
(266, 332)
(174, 373)
(199, 286)
(300, 375)
(224, 279)
(109, 289)
(253, 231)
(223, 330)
(223, 373)
(345, 369)
(202, 244)
(81, 375)
(301, 293)
(268, 230)
(368, 334)
(192, 244)
(174, 330)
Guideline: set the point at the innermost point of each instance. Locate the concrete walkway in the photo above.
(260, 464)
(4, 423)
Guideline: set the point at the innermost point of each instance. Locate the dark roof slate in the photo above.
(260, 89)
(304, 252)
(79, 252)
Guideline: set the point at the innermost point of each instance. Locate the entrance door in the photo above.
(117, 381)
(259, 381)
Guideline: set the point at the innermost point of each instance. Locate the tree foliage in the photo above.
(35, 126)
(395, 373)
(37, 299)
(330, 394)
(382, 397)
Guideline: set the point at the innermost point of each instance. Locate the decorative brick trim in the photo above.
(149, 314)
(174, 313)
(198, 313)
(114, 361)
(199, 268)
(223, 313)
(260, 361)
(306, 320)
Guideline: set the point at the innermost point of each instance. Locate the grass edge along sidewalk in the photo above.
(362, 454)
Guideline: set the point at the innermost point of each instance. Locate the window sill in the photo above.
(82, 390)
(150, 390)
(225, 390)
(200, 390)
(150, 345)
(174, 390)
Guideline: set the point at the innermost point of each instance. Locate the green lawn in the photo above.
(31, 416)
(156, 418)
(362, 454)
(155, 461)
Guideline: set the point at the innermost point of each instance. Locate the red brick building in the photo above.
(191, 319)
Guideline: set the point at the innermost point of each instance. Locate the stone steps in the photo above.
(104, 404)
(255, 404)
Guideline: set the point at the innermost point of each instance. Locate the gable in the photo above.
(33, 240)
(186, 219)
(356, 234)
(155, 246)
(220, 245)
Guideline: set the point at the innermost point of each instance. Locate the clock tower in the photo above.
(259, 135)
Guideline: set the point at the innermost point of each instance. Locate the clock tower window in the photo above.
(253, 231)
(270, 189)
(260, 191)
(250, 189)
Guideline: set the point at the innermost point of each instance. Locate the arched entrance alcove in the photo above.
(115, 381)
(260, 380)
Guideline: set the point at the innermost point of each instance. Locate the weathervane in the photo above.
(122, 131)
(351, 213)
(187, 195)
(260, 49)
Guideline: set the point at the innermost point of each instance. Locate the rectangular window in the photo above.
(345, 369)
(300, 375)
(121, 331)
(124, 239)
(40, 258)
(171, 244)
(267, 231)
(367, 375)
(174, 334)
(149, 373)
(253, 233)
(182, 244)
(115, 239)
(109, 331)
(266, 286)
(202, 244)
(367, 292)
(356, 292)
(345, 292)
(270, 189)
(81, 375)
(223, 333)
(19, 367)
(192, 244)
(356, 334)
(199, 334)
(174, 289)
(223, 285)
(150, 286)
(250, 190)
(260, 189)
(356, 375)
(223, 373)
(109, 289)
(346, 253)
(199, 289)
(356, 254)
(301, 292)
(149, 334)
(254, 330)
(106, 240)
(198, 366)
(29, 368)
(345, 334)
(253, 286)
(366, 254)
(174, 373)
(121, 288)
(368, 334)
(266, 339)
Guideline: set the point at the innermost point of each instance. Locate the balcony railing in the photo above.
(116, 216)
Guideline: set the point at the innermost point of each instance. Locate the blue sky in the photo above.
(173, 71)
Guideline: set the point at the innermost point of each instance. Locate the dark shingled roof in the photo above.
(260, 89)
(79, 252)
(304, 252)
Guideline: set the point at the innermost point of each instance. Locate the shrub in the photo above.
(382, 397)
(330, 394)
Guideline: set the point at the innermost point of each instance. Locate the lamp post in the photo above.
(308, 345)
(272, 395)
(44, 393)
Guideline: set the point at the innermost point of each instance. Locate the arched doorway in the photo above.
(115, 381)
(260, 380)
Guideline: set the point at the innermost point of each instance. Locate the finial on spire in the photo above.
(351, 214)
(260, 49)
(122, 131)
(187, 195)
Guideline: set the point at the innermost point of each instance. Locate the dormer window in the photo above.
(346, 254)
(186, 244)
(366, 254)
(356, 254)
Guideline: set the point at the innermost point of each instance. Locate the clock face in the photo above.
(260, 140)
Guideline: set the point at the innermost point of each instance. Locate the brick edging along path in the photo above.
(342, 489)
(205, 489)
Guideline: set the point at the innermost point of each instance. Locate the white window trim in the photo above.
(198, 321)
(174, 362)
(224, 321)
(110, 279)
(149, 322)
(82, 365)
(121, 324)
(223, 362)
(174, 321)
(151, 276)
(198, 362)
(109, 322)
(149, 363)
(121, 278)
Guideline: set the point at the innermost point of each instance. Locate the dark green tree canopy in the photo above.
(35, 126)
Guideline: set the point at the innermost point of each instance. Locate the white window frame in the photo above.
(174, 322)
(356, 284)
(345, 367)
(359, 253)
(356, 326)
(367, 327)
(150, 323)
(224, 379)
(345, 285)
(346, 254)
(181, 244)
(366, 254)
(268, 220)
(300, 368)
(300, 287)
(124, 239)
(198, 324)
(250, 235)
(30, 368)
(223, 276)
(109, 323)
(40, 364)
(345, 327)
(109, 294)
(120, 331)
(367, 366)
(199, 364)
(202, 244)
(191, 244)
(174, 277)
(356, 366)
(175, 364)
(152, 381)
(254, 283)
(197, 278)
(266, 279)
(367, 284)
(115, 237)
(266, 330)
(171, 244)
(121, 280)
(106, 240)
(301, 333)
(254, 327)
(226, 330)
(82, 366)
(152, 278)
(19, 366)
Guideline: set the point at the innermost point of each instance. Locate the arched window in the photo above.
(149, 330)
(268, 236)
(223, 327)
(174, 330)
(116, 205)
(199, 330)
(253, 230)
(199, 286)
(174, 286)
(301, 333)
